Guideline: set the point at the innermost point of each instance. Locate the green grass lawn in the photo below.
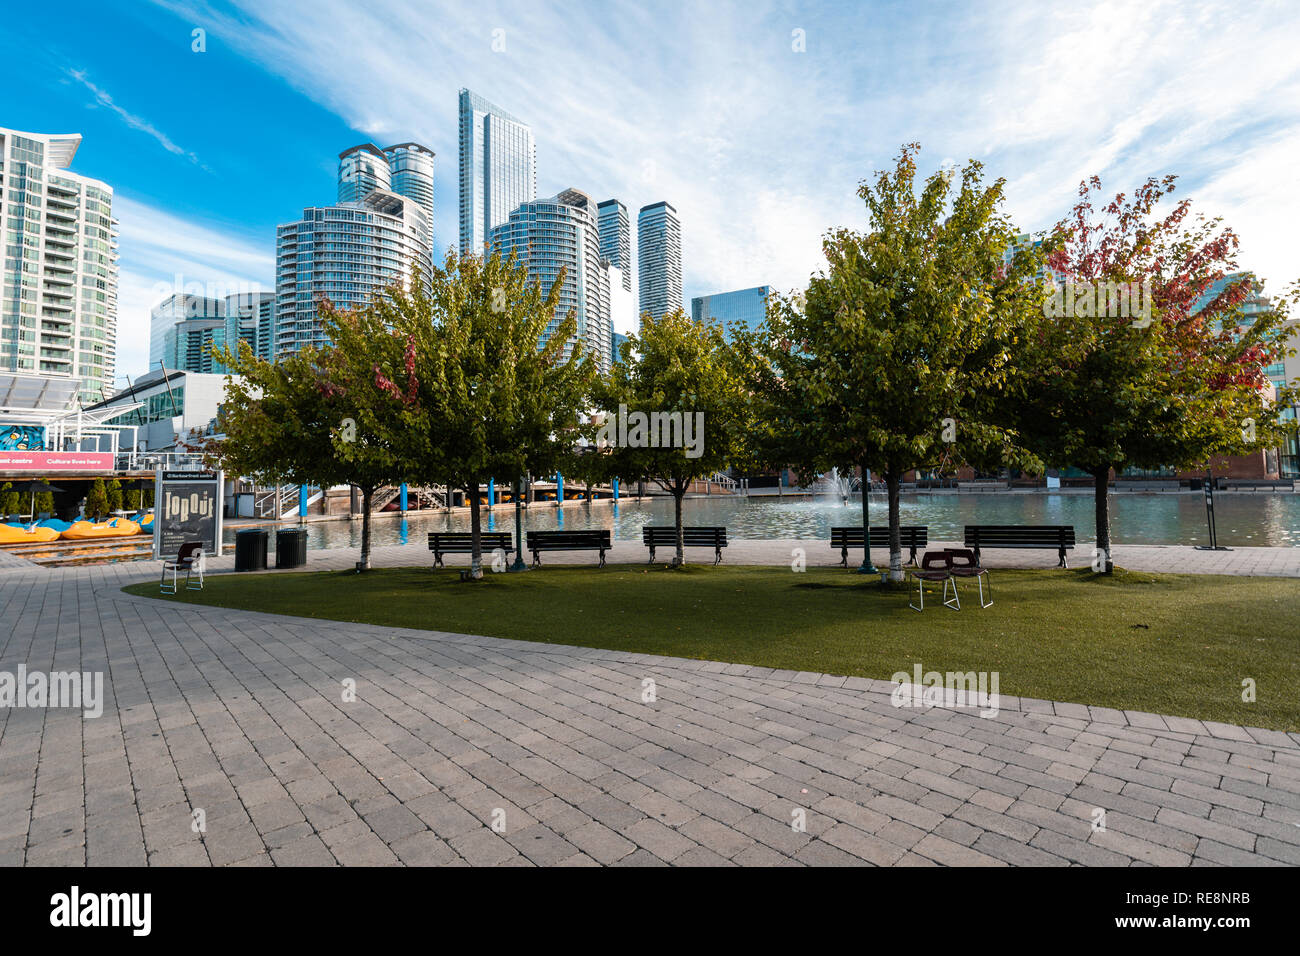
(1169, 644)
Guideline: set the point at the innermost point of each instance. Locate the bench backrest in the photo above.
(455, 540)
(1019, 535)
(910, 536)
(701, 536)
(542, 540)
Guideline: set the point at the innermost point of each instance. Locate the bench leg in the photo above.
(844, 557)
(717, 556)
(652, 555)
(1062, 564)
(912, 557)
(602, 558)
(537, 559)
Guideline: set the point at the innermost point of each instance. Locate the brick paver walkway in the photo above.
(242, 716)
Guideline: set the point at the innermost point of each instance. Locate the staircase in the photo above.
(730, 485)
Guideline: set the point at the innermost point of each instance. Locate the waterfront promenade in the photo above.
(241, 715)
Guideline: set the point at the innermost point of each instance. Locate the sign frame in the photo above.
(164, 477)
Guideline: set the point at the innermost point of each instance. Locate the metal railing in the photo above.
(168, 460)
(727, 482)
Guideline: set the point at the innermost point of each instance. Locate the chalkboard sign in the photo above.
(187, 507)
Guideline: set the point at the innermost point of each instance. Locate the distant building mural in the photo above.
(22, 437)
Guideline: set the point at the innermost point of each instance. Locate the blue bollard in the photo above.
(492, 493)
(616, 489)
(401, 501)
(559, 489)
(302, 501)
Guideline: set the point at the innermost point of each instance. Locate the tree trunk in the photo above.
(679, 490)
(476, 529)
(895, 536)
(1102, 479)
(364, 563)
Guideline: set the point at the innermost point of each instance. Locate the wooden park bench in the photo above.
(462, 542)
(1057, 536)
(910, 537)
(539, 541)
(662, 536)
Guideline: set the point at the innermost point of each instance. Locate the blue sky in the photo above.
(760, 146)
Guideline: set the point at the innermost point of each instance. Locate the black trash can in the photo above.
(291, 547)
(250, 550)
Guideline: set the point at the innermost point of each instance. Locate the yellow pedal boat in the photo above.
(35, 535)
(118, 527)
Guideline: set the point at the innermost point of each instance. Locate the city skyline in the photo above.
(758, 176)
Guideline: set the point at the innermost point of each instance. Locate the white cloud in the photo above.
(102, 98)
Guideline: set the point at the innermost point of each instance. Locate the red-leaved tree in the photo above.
(1148, 358)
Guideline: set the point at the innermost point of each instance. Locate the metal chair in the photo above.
(964, 565)
(936, 566)
(190, 560)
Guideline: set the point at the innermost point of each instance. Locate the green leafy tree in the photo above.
(8, 499)
(114, 493)
(97, 500)
(322, 415)
(679, 408)
(1169, 387)
(480, 396)
(887, 362)
(45, 502)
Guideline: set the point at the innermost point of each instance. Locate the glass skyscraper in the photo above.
(747, 306)
(558, 233)
(616, 238)
(498, 169)
(185, 328)
(659, 259)
(58, 289)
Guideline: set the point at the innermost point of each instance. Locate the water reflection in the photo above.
(1243, 520)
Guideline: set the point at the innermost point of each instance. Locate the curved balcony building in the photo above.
(561, 233)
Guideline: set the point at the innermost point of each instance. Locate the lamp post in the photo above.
(519, 564)
(867, 567)
(1209, 516)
